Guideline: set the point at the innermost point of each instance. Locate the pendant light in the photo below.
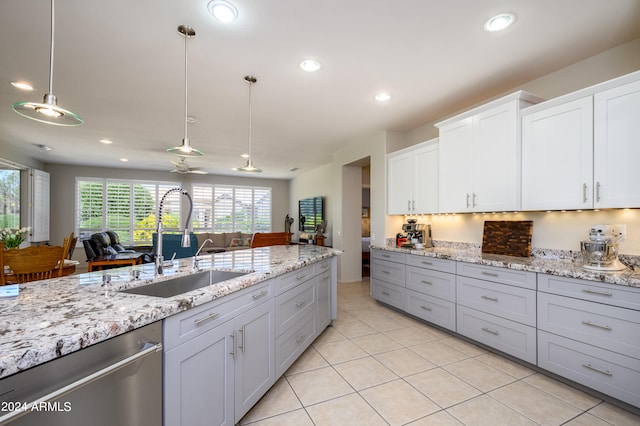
(185, 150)
(249, 167)
(48, 111)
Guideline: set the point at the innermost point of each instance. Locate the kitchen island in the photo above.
(53, 318)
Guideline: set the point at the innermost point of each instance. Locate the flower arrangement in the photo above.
(13, 239)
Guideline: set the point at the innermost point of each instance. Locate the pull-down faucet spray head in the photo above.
(186, 238)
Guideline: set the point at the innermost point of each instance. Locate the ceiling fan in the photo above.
(183, 167)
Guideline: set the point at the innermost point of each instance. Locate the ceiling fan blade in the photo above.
(197, 172)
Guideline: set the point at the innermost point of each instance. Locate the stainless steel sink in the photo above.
(183, 284)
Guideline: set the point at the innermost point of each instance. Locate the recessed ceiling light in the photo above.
(124, 160)
(310, 65)
(499, 22)
(222, 10)
(22, 85)
(382, 97)
(106, 141)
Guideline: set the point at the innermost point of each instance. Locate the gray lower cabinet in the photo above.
(497, 307)
(588, 332)
(388, 277)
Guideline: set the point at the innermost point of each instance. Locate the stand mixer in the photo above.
(600, 251)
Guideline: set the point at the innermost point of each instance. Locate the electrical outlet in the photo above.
(622, 230)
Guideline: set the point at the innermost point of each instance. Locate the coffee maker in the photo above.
(414, 233)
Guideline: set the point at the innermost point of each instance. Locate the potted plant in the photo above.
(13, 238)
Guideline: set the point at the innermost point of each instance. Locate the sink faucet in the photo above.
(195, 257)
(186, 239)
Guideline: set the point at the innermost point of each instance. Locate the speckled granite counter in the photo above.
(563, 264)
(55, 317)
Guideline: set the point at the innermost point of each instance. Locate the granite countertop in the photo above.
(55, 317)
(553, 262)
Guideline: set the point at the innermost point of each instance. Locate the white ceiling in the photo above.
(120, 65)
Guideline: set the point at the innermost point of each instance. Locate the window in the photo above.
(9, 198)
(231, 209)
(126, 207)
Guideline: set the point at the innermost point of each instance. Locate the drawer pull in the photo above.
(425, 308)
(325, 276)
(259, 294)
(591, 367)
(493, 299)
(207, 318)
(300, 339)
(301, 276)
(386, 272)
(386, 255)
(491, 274)
(300, 303)
(604, 327)
(599, 293)
(426, 282)
(488, 330)
(424, 262)
(386, 294)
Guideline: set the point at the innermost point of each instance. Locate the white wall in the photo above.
(316, 182)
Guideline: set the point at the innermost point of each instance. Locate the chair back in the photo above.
(33, 263)
(265, 239)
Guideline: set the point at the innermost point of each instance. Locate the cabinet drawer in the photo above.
(610, 294)
(388, 293)
(442, 265)
(433, 283)
(507, 336)
(294, 304)
(293, 342)
(514, 277)
(192, 323)
(293, 278)
(389, 272)
(437, 311)
(322, 266)
(391, 256)
(602, 370)
(605, 326)
(512, 303)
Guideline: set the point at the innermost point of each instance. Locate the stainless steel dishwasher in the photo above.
(116, 382)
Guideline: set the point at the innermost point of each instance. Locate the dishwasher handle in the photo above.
(147, 350)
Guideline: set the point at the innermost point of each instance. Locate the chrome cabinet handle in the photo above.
(493, 299)
(413, 202)
(491, 274)
(597, 191)
(426, 282)
(259, 294)
(584, 192)
(300, 303)
(325, 276)
(604, 327)
(207, 318)
(426, 308)
(488, 330)
(386, 272)
(467, 200)
(233, 345)
(591, 367)
(386, 294)
(386, 255)
(473, 200)
(300, 339)
(301, 276)
(408, 205)
(243, 333)
(600, 293)
(424, 262)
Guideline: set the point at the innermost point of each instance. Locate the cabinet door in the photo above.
(255, 369)
(557, 157)
(454, 152)
(425, 179)
(399, 190)
(199, 380)
(616, 147)
(495, 165)
(324, 301)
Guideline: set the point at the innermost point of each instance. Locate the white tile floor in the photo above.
(376, 366)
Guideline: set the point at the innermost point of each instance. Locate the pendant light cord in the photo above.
(250, 84)
(186, 88)
(51, 50)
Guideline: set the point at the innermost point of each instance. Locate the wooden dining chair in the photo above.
(32, 263)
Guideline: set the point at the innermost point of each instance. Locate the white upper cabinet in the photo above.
(580, 151)
(480, 157)
(557, 157)
(412, 179)
(616, 148)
